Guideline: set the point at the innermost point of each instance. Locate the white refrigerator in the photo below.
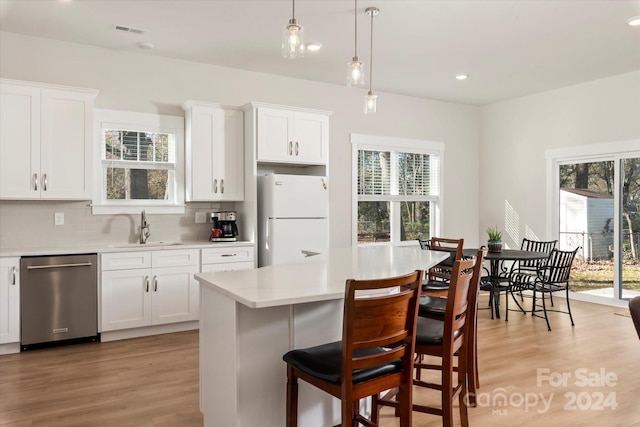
(293, 215)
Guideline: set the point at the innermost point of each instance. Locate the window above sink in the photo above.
(140, 163)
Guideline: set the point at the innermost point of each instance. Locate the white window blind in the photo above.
(396, 173)
(139, 150)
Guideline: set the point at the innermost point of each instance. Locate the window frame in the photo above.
(382, 143)
(140, 122)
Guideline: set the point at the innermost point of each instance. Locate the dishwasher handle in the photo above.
(40, 267)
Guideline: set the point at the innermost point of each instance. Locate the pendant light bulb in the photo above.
(370, 103)
(356, 73)
(292, 38)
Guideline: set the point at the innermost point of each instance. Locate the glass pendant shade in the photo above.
(355, 73)
(370, 103)
(293, 40)
(371, 100)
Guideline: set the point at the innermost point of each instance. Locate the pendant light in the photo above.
(371, 101)
(292, 38)
(355, 68)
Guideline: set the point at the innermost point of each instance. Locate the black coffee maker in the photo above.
(224, 227)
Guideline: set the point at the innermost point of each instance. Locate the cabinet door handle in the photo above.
(146, 279)
(13, 275)
(296, 148)
(155, 283)
(35, 181)
(44, 182)
(222, 186)
(227, 255)
(215, 185)
(290, 147)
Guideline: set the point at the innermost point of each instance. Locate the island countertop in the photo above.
(318, 278)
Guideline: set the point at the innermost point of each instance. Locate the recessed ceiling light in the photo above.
(313, 46)
(146, 46)
(634, 22)
(461, 76)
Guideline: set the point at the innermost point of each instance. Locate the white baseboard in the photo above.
(147, 331)
(10, 348)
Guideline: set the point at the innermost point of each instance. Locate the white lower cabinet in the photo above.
(9, 300)
(148, 288)
(228, 258)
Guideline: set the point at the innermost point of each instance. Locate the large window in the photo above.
(140, 163)
(397, 189)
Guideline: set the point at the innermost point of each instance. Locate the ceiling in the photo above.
(509, 48)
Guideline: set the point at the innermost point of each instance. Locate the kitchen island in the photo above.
(250, 318)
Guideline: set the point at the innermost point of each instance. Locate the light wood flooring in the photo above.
(153, 381)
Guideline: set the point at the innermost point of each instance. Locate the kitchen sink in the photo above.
(145, 245)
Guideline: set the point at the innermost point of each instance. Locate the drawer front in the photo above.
(125, 260)
(175, 258)
(225, 255)
(230, 266)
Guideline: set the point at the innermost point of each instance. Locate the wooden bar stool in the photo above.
(375, 354)
(445, 338)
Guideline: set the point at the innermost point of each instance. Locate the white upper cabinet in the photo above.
(291, 136)
(45, 141)
(214, 152)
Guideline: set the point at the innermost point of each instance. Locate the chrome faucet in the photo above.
(144, 229)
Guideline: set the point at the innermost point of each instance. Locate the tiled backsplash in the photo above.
(30, 224)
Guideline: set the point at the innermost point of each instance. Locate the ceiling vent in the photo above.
(127, 29)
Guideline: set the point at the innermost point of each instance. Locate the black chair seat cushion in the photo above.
(430, 331)
(448, 262)
(432, 306)
(324, 362)
(435, 285)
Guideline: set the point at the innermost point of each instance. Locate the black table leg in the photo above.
(495, 283)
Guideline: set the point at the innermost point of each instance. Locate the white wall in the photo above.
(516, 133)
(145, 83)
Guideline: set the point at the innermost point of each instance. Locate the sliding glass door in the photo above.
(599, 211)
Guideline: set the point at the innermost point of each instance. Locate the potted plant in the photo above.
(495, 239)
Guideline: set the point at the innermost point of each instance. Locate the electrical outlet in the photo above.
(58, 218)
(201, 217)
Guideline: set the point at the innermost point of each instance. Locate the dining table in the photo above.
(500, 265)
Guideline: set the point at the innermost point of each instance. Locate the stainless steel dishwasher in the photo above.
(58, 299)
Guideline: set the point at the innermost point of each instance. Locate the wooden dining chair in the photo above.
(375, 354)
(444, 338)
(437, 279)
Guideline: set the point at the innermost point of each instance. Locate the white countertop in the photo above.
(115, 247)
(320, 277)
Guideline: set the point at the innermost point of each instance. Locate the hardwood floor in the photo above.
(153, 381)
